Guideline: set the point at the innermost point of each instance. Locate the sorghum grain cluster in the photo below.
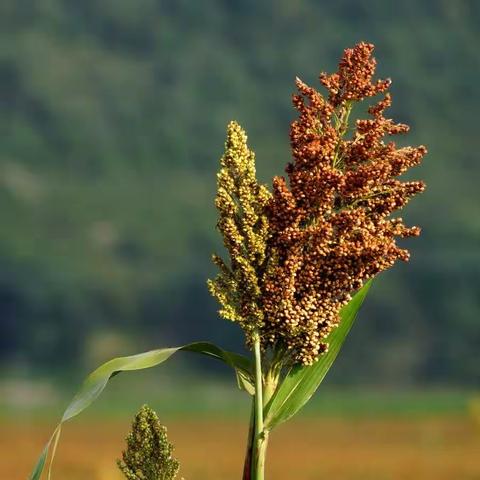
(327, 228)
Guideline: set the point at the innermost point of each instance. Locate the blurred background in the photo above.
(114, 117)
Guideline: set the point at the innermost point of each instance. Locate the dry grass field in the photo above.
(433, 448)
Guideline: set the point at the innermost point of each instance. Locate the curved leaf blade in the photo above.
(301, 382)
(40, 465)
(96, 382)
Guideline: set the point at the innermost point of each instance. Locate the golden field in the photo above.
(429, 448)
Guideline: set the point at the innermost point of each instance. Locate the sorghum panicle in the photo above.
(331, 227)
(298, 254)
(149, 454)
(241, 203)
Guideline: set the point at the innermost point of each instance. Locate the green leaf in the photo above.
(96, 382)
(301, 382)
(40, 465)
(37, 471)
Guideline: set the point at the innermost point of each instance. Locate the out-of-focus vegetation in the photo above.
(192, 398)
(114, 114)
(436, 448)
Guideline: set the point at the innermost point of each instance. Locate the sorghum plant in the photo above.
(300, 256)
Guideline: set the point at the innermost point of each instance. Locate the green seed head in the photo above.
(149, 454)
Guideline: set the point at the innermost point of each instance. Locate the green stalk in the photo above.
(260, 438)
(247, 467)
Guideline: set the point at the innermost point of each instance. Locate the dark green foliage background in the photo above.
(114, 115)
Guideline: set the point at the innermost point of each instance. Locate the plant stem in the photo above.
(261, 451)
(247, 467)
(260, 439)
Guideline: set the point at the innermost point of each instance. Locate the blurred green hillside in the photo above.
(114, 115)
